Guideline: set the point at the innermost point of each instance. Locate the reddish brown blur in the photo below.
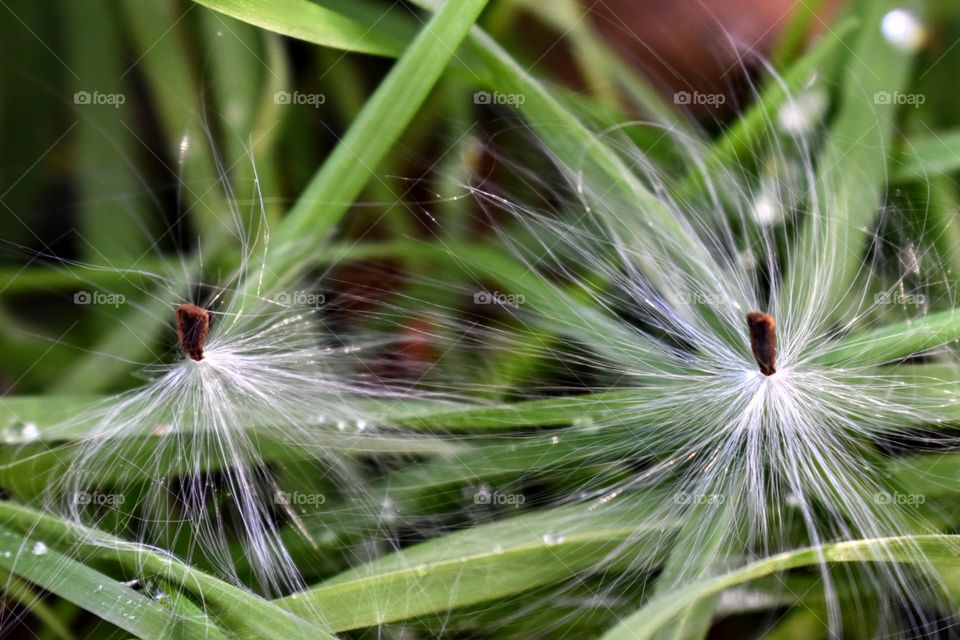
(696, 45)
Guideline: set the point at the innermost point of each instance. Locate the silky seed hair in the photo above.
(195, 451)
(739, 427)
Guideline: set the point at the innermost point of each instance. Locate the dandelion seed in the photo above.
(195, 454)
(769, 465)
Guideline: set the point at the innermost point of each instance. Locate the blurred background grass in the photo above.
(105, 182)
(96, 99)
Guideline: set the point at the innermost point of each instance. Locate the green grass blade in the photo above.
(645, 622)
(851, 171)
(371, 136)
(481, 564)
(109, 218)
(752, 128)
(21, 592)
(326, 23)
(96, 592)
(235, 610)
(892, 342)
(933, 153)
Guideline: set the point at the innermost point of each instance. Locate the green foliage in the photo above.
(414, 69)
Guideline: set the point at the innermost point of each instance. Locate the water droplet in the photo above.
(904, 30)
(552, 538)
(39, 549)
(184, 147)
(21, 432)
(584, 422)
(361, 425)
(555, 440)
(766, 210)
(801, 114)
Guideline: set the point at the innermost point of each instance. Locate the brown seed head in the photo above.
(763, 341)
(193, 323)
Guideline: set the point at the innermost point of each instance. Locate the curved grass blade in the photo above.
(941, 550)
(484, 563)
(373, 133)
(345, 26)
(99, 594)
(235, 610)
(851, 171)
(895, 341)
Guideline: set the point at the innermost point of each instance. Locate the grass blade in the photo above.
(644, 623)
(484, 563)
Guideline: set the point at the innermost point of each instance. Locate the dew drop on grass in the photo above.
(21, 432)
(766, 210)
(388, 510)
(39, 549)
(584, 422)
(552, 538)
(904, 30)
(802, 114)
